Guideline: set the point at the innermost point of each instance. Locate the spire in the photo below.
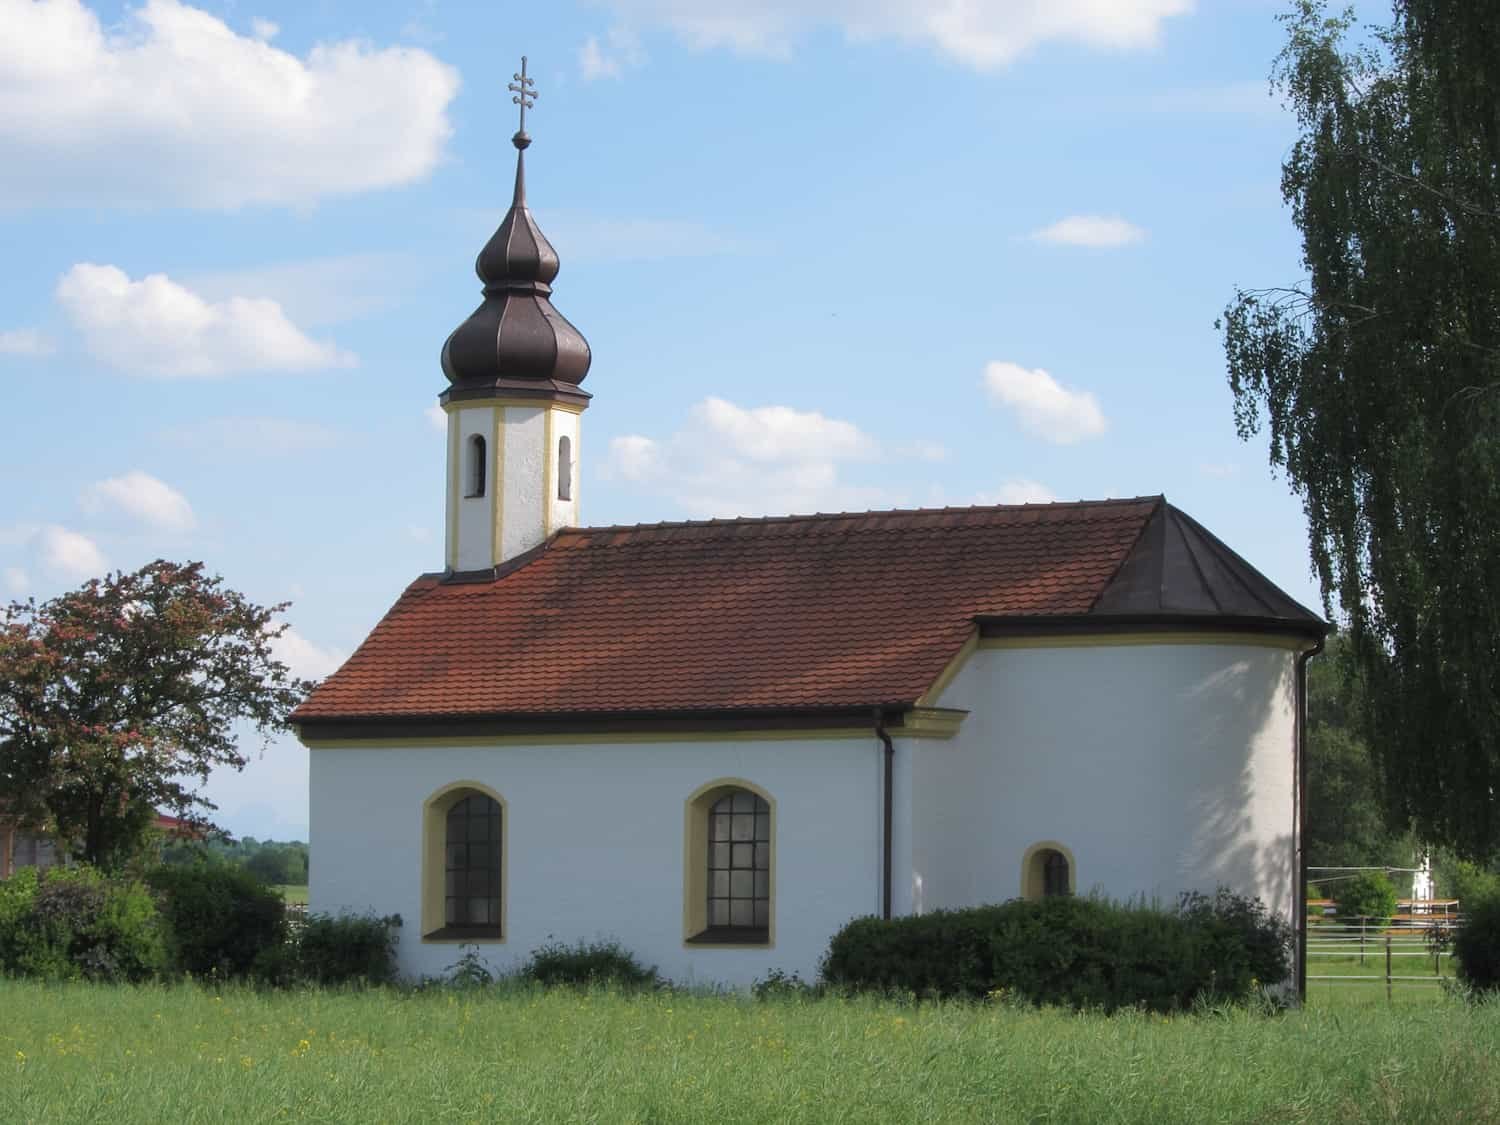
(516, 339)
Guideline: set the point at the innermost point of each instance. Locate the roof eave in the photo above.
(993, 625)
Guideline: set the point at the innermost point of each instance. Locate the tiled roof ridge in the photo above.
(876, 513)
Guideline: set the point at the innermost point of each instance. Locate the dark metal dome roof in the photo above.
(516, 338)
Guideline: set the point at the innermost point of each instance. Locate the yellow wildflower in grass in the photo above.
(20, 1058)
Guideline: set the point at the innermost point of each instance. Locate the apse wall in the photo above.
(1162, 766)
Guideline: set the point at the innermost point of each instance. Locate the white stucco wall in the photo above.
(564, 513)
(520, 486)
(474, 512)
(525, 450)
(596, 840)
(1163, 767)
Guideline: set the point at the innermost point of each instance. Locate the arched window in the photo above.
(463, 864)
(471, 864)
(1054, 874)
(739, 862)
(565, 468)
(1047, 871)
(476, 466)
(730, 899)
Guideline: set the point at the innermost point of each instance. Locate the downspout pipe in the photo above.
(1300, 752)
(887, 797)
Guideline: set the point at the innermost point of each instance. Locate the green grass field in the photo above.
(293, 894)
(91, 1053)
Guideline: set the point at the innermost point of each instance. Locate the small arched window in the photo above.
(476, 466)
(471, 865)
(565, 468)
(1047, 871)
(1054, 874)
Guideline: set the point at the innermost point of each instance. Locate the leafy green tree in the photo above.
(1346, 825)
(279, 866)
(1378, 379)
(117, 696)
(1369, 896)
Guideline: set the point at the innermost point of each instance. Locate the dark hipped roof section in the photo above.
(1181, 574)
(829, 615)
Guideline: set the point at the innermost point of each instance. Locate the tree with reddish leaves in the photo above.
(119, 697)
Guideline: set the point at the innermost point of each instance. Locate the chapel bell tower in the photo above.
(514, 403)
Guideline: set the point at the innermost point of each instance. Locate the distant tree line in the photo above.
(271, 861)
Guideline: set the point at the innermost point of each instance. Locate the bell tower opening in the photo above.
(476, 468)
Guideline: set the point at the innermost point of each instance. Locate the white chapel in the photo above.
(717, 742)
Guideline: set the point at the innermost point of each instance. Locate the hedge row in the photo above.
(71, 923)
(1074, 952)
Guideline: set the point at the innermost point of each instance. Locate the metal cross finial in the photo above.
(524, 89)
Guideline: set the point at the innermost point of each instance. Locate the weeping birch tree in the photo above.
(1376, 377)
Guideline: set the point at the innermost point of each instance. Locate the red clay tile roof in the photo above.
(788, 613)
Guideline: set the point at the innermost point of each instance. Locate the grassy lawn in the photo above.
(88, 1053)
(293, 894)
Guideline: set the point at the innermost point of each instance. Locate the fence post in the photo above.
(1388, 968)
(1362, 941)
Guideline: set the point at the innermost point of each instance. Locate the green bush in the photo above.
(1476, 945)
(221, 918)
(345, 949)
(595, 962)
(1074, 952)
(73, 922)
(1369, 896)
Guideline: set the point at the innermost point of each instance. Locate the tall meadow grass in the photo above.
(187, 1053)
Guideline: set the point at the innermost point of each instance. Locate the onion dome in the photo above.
(516, 341)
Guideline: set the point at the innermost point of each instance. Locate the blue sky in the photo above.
(829, 254)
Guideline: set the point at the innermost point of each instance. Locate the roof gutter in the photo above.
(885, 844)
(1299, 743)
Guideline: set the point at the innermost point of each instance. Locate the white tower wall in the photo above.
(527, 466)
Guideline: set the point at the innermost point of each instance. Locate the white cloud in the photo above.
(1100, 232)
(307, 660)
(25, 341)
(172, 106)
(67, 554)
(157, 327)
(634, 457)
(620, 51)
(978, 33)
(1018, 490)
(16, 582)
(437, 418)
(1043, 405)
(141, 497)
(256, 436)
(729, 460)
(264, 30)
(312, 291)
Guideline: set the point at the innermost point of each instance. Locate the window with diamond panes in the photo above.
(739, 863)
(472, 867)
